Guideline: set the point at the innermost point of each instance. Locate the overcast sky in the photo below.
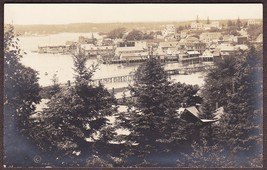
(106, 13)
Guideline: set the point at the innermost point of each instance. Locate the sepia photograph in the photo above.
(89, 85)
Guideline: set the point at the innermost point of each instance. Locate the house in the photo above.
(208, 37)
(165, 45)
(130, 54)
(193, 115)
(197, 26)
(189, 57)
(168, 30)
(202, 26)
(129, 50)
(228, 50)
(167, 50)
(253, 22)
(92, 50)
(196, 46)
(207, 57)
(228, 38)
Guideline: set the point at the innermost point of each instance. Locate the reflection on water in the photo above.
(49, 64)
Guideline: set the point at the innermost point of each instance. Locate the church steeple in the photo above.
(208, 20)
(197, 21)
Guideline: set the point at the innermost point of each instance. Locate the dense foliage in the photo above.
(75, 115)
(74, 129)
(116, 33)
(136, 35)
(21, 94)
(153, 120)
(236, 85)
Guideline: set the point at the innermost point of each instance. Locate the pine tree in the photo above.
(237, 87)
(206, 156)
(21, 93)
(241, 126)
(75, 114)
(153, 121)
(217, 84)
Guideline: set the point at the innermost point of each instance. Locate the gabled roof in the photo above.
(193, 110)
(196, 113)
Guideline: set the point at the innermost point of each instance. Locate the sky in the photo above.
(27, 14)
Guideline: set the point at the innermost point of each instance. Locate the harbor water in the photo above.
(48, 65)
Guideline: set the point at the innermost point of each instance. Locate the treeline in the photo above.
(91, 27)
(103, 27)
(74, 130)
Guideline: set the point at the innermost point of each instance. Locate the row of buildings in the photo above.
(205, 48)
(190, 48)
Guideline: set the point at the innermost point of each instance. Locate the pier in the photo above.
(130, 78)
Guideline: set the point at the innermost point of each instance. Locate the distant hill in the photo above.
(98, 27)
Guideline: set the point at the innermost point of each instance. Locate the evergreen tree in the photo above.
(153, 121)
(241, 125)
(21, 93)
(217, 84)
(206, 156)
(237, 87)
(75, 114)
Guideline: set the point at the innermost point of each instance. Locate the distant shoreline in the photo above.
(103, 27)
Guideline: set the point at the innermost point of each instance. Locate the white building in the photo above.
(253, 22)
(168, 30)
(207, 57)
(202, 26)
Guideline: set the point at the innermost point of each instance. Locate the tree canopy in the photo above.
(153, 120)
(75, 115)
(236, 85)
(21, 94)
(116, 33)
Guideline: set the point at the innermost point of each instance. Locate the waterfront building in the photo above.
(189, 57)
(130, 54)
(92, 50)
(207, 57)
(168, 45)
(55, 49)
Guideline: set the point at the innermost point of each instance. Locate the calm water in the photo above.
(49, 64)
